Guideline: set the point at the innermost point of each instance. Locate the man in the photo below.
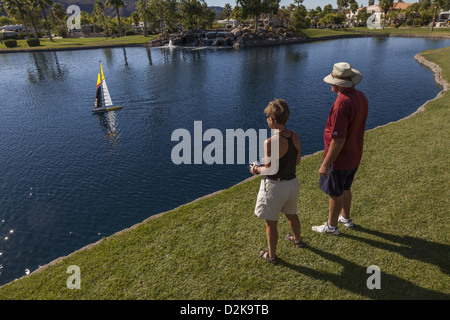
(343, 139)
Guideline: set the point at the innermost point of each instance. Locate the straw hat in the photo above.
(343, 75)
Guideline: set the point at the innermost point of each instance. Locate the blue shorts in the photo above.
(337, 181)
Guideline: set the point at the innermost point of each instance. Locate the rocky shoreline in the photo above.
(238, 37)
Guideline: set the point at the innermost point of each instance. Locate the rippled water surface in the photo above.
(69, 177)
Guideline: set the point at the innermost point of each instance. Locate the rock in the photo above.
(188, 39)
(237, 33)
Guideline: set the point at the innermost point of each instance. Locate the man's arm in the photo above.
(335, 148)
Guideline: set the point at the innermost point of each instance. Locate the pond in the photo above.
(69, 177)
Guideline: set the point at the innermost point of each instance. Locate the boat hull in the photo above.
(106, 109)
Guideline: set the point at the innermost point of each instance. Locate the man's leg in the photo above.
(335, 205)
(346, 203)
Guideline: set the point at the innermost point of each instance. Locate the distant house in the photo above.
(396, 6)
(10, 30)
(373, 9)
(225, 23)
(401, 17)
(444, 16)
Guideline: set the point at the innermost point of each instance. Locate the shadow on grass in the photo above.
(409, 247)
(353, 278)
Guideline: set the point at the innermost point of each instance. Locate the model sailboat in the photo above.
(103, 100)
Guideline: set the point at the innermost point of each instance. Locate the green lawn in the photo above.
(317, 33)
(208, 249)
(81, 42)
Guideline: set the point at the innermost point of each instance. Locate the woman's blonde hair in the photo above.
(278, 109)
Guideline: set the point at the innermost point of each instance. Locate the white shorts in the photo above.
(275, 197)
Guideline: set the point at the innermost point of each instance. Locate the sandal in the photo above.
(262, 254)
(297, 243)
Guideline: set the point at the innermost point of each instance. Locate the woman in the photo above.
(279, 189)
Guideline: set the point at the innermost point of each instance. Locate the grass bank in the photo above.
(208, 249)
(79, 43)
(407, 31)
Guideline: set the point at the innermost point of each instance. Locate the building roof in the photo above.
(401, 5)
(396, 6)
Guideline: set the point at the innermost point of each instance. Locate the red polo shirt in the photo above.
(347, 120)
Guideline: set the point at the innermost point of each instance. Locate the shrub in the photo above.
(33, 42)
(10, 43)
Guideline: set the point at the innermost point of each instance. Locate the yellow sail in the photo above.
(99, 81)
(101, 70)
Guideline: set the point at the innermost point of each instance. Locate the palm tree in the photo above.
(99, 13)
(143, 9)
(385, 5)
(341, 4)
(58, 12)
(298, 2)
(45, 4)
(227, 11)
(436, 5)
(32, 10)
(116, 4)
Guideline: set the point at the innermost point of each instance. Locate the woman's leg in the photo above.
(294, 223)
(272, 237)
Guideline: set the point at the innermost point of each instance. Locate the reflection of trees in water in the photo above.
(46, 66)
(108, 55)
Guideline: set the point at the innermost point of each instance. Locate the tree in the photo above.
(191, 11)
(59, 16)
(254, 8)
(45, 4)
(272, 8)
(144, 13)
(353, 6)
(117, 4)
(32, 11)
(298, 2)
(134, 16)
(99, 13)
(163, 12)
(208, 16)
(237, 13)
(386, 5)
(298, 19)
(13, 7)
(326, 10)
(436, 5)
(363, 16)
(342, 4)
(227, 11)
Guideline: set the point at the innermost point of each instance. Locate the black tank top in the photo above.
(287, 163)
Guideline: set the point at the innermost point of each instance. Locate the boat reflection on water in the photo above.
(112, 134)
